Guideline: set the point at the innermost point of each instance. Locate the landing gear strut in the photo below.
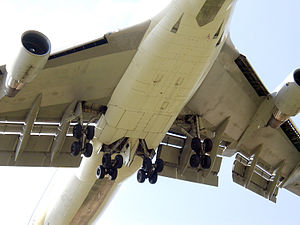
(149, 170)
(109, 166)
(83, 136)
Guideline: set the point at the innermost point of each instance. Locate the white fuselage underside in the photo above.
(164, 74)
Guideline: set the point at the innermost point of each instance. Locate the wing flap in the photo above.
(259, 181)
(36, 153)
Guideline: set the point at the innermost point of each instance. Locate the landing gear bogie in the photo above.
(83, 136)
(200, 158)
(150, 170)
(110, 166)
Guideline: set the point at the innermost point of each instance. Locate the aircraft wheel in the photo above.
(90, 132)
(88, 150)
(118, 161)
(159, 165)
(77, 131)
(196, 145)
(206, 162)
(106, 161)
(195, 161)
(141, 176)
(147, 164)
(113, 174)
(153, 178)
(75, 148)
(207, 144)
(100, 173)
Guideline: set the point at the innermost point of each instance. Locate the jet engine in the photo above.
(32, 57)
(286, 100)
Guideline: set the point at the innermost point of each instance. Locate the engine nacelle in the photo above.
(287, 100)
(31, 59)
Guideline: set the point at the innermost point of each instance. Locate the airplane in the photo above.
(21, 90)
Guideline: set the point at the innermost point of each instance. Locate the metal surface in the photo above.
(32, 57)
(28, 126)
(62, 130)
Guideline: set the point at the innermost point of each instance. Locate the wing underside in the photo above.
(36, 125)
(232, 93)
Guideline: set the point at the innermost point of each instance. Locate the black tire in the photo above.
(159, 163)
(206, 162)
(118, 161)
(147, 164)
(100, 172)
(113, 174)
(75, 148)
(196, 145)
(207, 144)
(88, 151)
(195, 161)
(90, 132)
(141, 176)
(153, 178)
(106, 161)
(77, 131)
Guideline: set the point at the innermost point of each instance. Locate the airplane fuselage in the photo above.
(169, 66)
(172, 61)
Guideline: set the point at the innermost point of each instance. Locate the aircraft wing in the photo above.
(34, 126)
(234, 108)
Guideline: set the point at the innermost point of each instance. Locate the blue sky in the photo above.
(267, 32)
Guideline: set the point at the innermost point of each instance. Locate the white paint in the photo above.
(164, 74)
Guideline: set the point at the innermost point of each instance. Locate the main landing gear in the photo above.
(83, 136)
(150, 170)
(200, 157)
(109, 166)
